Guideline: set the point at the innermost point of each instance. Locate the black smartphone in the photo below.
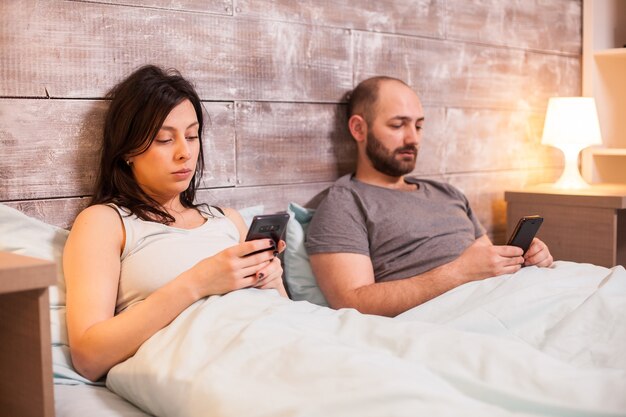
(525, 231)
(268, 226)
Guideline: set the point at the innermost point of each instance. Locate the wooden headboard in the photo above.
(272, 75)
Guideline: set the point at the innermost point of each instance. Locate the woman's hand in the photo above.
(233, 269)
(271, 275)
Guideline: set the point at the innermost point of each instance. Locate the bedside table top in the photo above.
(23, 273)
(598, 195)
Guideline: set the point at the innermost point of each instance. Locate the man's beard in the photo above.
(385, 161)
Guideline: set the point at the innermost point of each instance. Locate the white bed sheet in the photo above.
(540, 342)
(93, 401)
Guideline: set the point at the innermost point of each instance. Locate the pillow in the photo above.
(298, 274)
(28, 236)
(25, 235)
(249, 212)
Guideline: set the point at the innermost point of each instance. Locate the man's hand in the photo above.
(483, 260)
(538, 254)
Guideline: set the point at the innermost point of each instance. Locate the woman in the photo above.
(143, 251)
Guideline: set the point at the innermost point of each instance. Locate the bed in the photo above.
(540, 342)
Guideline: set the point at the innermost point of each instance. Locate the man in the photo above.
(382, 242)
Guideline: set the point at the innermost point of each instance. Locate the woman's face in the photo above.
(165, 169)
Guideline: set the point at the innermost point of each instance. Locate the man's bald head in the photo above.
(362, 100)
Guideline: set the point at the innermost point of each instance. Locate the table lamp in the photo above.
(571, 124)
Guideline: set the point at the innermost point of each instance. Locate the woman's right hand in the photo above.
(231, 269)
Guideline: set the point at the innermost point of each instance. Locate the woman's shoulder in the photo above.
(98, 215)
(101, 210)
(97, 226)
(226, 211)
(237, 219)
(231, 213)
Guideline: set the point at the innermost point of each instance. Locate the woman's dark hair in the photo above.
(139, 106)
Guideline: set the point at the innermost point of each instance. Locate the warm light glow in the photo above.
(571, 125)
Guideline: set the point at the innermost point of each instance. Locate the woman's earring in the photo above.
(128, 162)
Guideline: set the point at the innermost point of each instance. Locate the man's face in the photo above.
(394, 163)
(394, 134)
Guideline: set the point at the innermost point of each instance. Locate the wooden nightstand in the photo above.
(579, 225)
(25, 352)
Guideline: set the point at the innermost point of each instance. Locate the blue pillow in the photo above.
(298, 274)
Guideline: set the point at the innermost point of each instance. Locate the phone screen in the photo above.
(268, 226)
(525, 230)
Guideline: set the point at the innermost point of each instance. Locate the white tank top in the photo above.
(155, 253)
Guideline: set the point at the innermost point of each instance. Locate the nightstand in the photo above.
(587, 226)
(25, 352)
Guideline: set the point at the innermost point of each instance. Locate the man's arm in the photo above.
(347, 279)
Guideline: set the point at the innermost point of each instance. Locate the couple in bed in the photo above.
(144, 250)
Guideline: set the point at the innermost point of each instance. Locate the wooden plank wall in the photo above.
(272, 74)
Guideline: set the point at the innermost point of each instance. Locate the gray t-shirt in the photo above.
(405, 233)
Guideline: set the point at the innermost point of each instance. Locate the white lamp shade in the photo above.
(571, 121)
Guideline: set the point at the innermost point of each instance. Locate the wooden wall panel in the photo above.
(273, 197)
(530, 24)
(50, 147)
(538, 25)
(467, 75)
(496, 140)
(59, 212)
(277, 144)
(90, 47)
(411, 17)
(484, 71)
(219, 145)
(457, 140)
(208, 6)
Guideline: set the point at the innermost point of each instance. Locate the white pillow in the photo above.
(28, 236)
(298, 274)
(249, 212)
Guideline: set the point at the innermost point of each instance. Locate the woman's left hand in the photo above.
(271, 275)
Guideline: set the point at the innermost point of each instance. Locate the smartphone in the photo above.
(268, 226)
(525, 231)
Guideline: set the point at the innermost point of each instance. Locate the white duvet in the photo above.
(540, 342)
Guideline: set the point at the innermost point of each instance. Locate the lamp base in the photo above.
(571, 184)
(571, 178)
